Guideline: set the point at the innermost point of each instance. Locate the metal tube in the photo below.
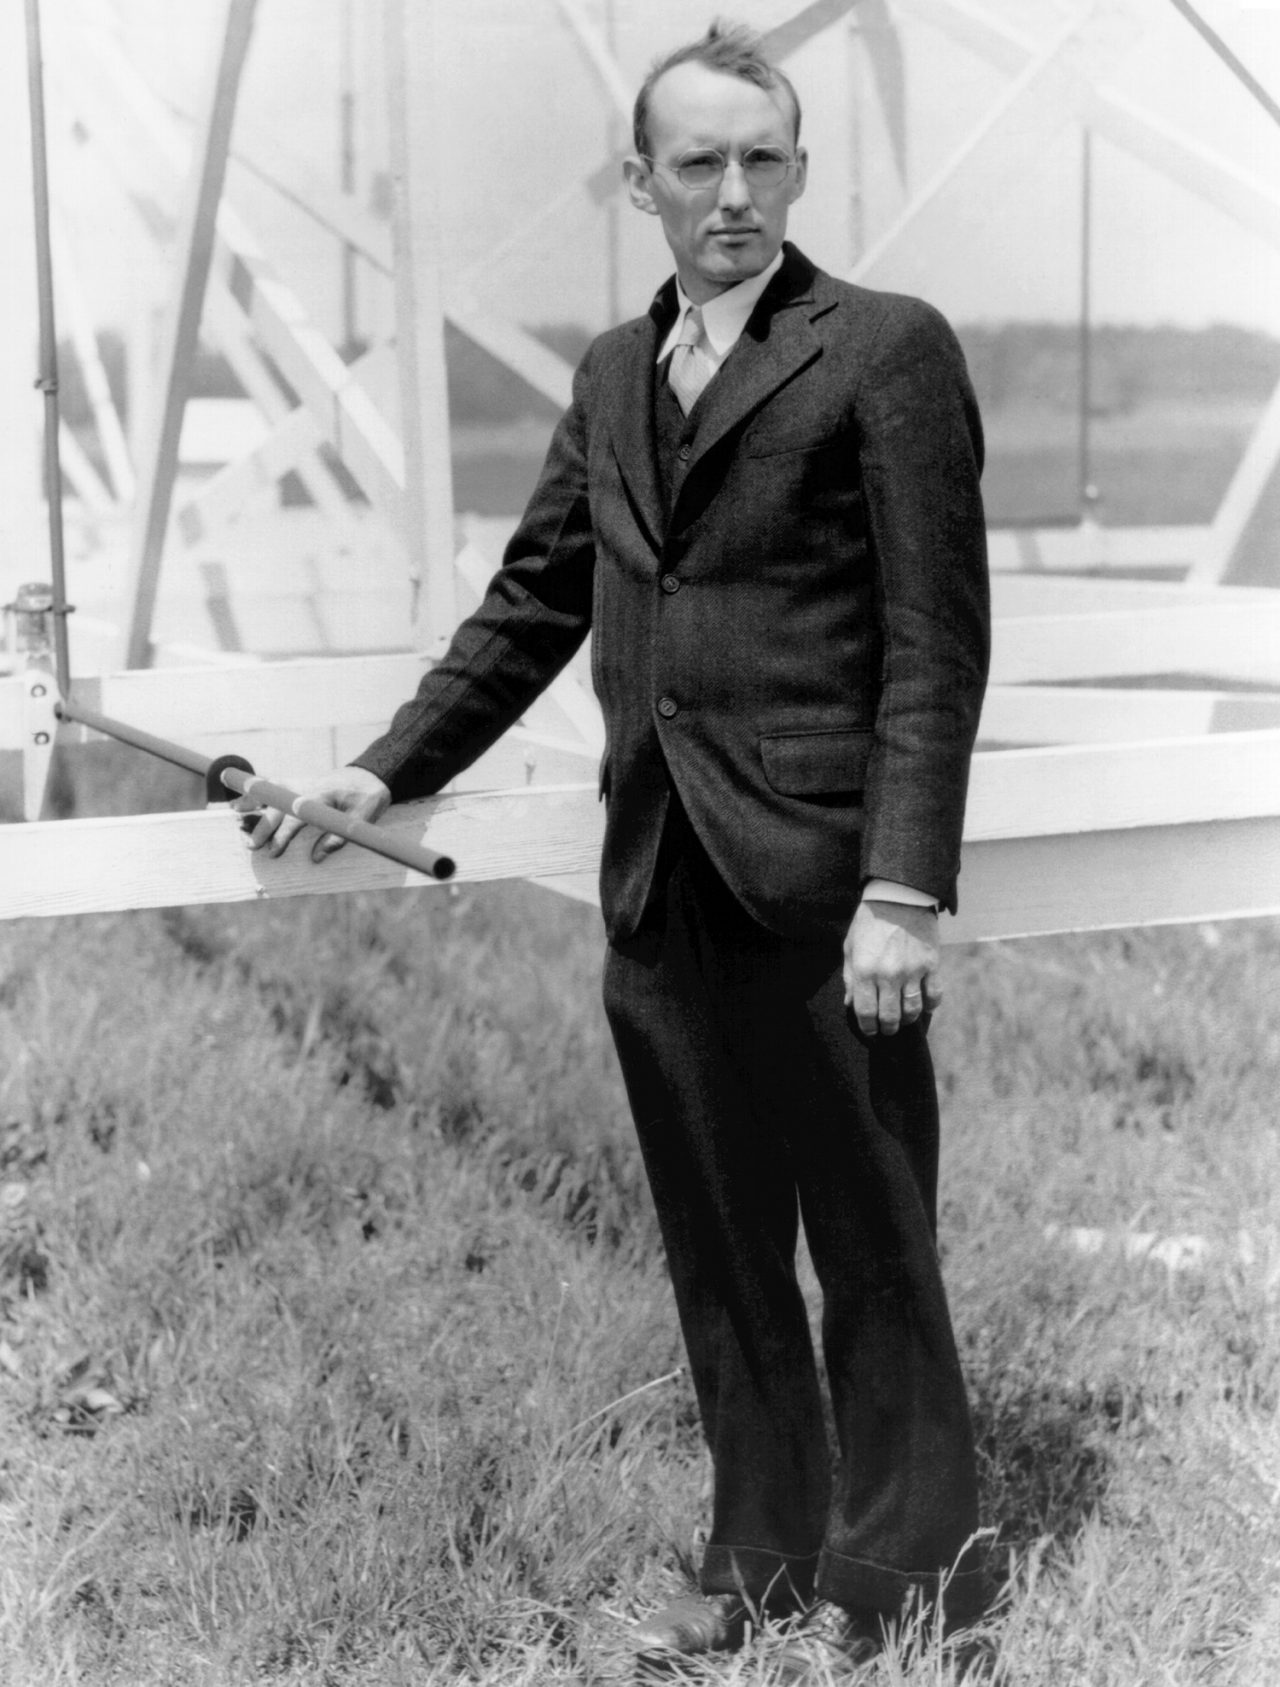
(160, 747)
(327, 819)
(1087, 492)
(47, 379)
(417, 856)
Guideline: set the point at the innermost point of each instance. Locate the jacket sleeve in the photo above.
(535, 614)
(921, 458)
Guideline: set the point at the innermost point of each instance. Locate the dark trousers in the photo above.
(758, 1103)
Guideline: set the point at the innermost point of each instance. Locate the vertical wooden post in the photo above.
(193, 254)
(413, 70)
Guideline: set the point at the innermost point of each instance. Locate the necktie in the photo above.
(691, 363)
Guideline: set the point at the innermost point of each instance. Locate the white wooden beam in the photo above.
(1010, 887)
(1100, 881)
(1061, 790)
(1239, 642)
(194, 253)
(1076, 714)
(97, 388)
(1066, 549)
(603, 64)
(1044, 69)
(417, 146)
(1255, 471)
(156, 861)
(78, 467)
(148, 151)
(1015, 596)
(229, 329)
(1249, 199)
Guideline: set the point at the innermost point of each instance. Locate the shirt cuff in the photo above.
(887, 890)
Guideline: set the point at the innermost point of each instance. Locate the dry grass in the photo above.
(337, 1347)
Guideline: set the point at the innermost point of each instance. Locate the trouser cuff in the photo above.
(859, 1584)
(771, 1580)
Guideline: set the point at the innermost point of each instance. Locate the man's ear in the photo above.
(639, 184)
(800, 175)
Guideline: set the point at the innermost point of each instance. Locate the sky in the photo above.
(521, 119)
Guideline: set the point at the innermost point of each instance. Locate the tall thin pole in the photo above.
(347, 178)
(1088, 492)
(47, 380)
(615, 140)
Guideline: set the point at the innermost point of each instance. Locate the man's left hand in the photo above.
(891, 959)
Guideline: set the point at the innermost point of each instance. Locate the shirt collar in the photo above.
(725, 316)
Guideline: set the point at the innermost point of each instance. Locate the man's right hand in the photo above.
(354, 790)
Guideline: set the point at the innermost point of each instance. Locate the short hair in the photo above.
(730, 48)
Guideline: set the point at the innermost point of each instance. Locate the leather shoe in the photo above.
(829, 1642)
(697, 1623)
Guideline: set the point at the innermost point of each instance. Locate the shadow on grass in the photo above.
(1042, 1464)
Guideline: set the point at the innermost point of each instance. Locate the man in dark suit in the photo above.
(764, 500)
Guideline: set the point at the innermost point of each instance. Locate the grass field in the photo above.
(335, 1344)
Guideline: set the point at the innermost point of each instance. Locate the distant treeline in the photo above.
(1039, 363)
(1011, 363)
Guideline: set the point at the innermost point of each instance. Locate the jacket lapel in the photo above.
(776, 344)
(630, 397)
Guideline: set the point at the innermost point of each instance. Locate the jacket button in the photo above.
(667, 707)
(685, 452)
(669, 584)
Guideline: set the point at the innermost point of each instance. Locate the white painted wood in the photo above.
(543, 369)
(227, 325)
(1044, 75)
(278, 696)
(349, 419)
(595, 50)
(1253, 473)
(154, 861)
(417, 145)
(79, 320)
(147, 148)
(87, 484)
(1236, 641)
(1253, 202)
(1073, 714)
(1063, 789)
(1018, 596)
(1009, 888)
(1050, 549)
(1027, 887)
(39, 733)
(194, 251)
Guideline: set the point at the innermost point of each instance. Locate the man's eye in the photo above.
(700, 161)
(765, 155)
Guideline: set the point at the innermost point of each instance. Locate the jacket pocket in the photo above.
(814, 764)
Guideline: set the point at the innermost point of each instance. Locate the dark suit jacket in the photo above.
(801, 648)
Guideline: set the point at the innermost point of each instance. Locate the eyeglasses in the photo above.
(763, 166)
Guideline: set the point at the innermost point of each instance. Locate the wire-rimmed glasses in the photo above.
(763, 166)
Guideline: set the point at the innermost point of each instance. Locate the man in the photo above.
(764, 499)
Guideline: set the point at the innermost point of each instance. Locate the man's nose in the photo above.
(735, 195)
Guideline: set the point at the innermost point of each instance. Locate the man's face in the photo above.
(726, 233)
